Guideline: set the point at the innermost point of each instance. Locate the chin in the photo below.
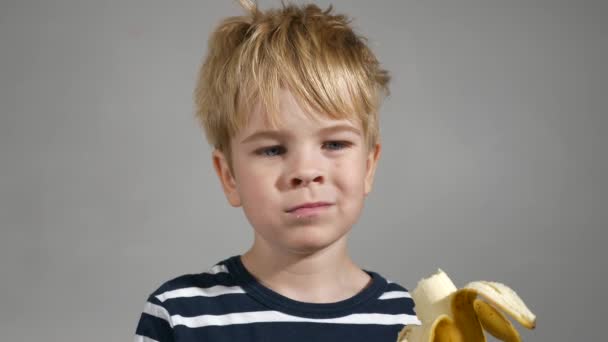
(306, 249)
(311, 242)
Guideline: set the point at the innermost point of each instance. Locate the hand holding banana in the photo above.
(457, 315)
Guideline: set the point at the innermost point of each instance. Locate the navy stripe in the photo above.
(231, 303)
(290, 332)
(393, 306)
(395, 287)
(152, 299)
(154, 328)
(203, 280)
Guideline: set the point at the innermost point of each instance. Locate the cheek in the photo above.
(256, 186)
(257, 198)
(351, 176)
(250, 185)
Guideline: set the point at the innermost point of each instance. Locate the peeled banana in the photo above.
(458, 315)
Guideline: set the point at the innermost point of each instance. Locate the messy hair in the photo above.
(315, 54)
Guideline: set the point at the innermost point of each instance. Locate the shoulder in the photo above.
(182, 296)
(188, 284)
(191, 294)
(391, 285)
(396, 294)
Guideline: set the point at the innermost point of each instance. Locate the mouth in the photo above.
(309, 209)
(309, 205)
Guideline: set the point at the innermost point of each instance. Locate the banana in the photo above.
(458, 315)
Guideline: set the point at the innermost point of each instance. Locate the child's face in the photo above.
(299, 163)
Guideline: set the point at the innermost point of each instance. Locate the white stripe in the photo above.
(157, 311)
(275, 316)
(218, 269)
(213, 291)
(204, 292)
(139, 338)
(395, 294)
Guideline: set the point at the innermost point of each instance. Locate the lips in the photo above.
(308, 205)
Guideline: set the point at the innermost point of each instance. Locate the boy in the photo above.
(289, 98)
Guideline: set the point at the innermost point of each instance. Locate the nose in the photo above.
(306, 169)
(305, 178)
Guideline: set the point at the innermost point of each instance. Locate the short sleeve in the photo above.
(154, 323)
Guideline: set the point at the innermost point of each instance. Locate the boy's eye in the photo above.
(337, 145)
(272, 151)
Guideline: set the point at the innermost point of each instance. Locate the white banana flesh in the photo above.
(458, 315)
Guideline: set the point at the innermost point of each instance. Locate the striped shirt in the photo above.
(226, 303)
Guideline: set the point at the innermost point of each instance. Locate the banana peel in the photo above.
(460, 315)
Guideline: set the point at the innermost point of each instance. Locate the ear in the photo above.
(371, 164)
(226, 178)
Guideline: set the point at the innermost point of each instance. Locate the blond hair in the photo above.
(313, 53)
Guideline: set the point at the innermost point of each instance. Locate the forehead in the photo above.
(291, 115)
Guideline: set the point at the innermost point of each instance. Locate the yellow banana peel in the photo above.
(462, 315)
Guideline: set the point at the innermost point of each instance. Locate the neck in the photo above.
(325, 276)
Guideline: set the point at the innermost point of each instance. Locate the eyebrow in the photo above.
(278, 134)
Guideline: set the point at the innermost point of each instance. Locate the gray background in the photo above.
(494, 163)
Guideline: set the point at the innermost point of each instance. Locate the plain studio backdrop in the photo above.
(494, 165)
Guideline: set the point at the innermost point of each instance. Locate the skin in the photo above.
(302, 258)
